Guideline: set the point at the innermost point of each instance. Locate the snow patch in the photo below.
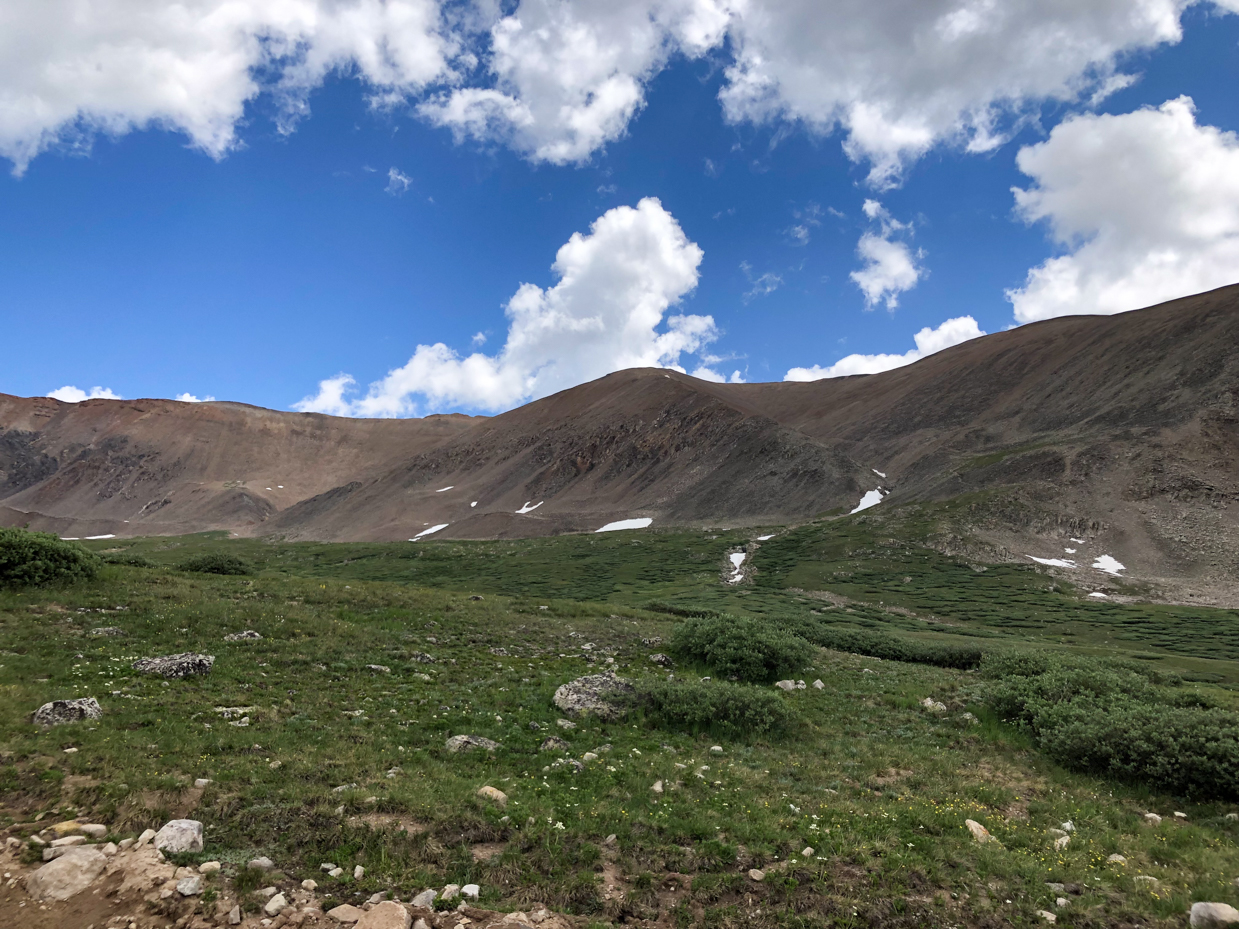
(92, 538)
(640, 522)
(737, 562)
(1079, 541)
(763, 538)
(1109, 564)
(529, 509)
(1099, 595)
(473, 504)
(1070, 551)
(878, 473)
(448, 487)
(871, 498)
(1054, 562)
(429, 531)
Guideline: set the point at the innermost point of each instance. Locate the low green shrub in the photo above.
(717, 707)
(886, 646)
(741, 649)
(29, 559)
(679, 609)
(1111, 719)
(216, 563)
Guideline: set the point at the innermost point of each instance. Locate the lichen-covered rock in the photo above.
(601, 695)
(67, 711)
(176, 666)
(554, 744)
(107, 630)
(466, 743)
(247, 635)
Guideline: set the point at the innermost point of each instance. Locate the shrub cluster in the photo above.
(676, 609)
(741, 649)
(1111, 720)
(40, 558)
(884, 645)
(129, 559)
(717, 707)
(215, 563)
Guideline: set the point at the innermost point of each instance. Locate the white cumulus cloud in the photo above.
(187, 397)
(1147, 204)
(890, 264)
(928, 341)
(608, 311)
(70, 394)
(71, 68)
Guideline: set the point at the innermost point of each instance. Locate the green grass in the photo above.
(876, 784)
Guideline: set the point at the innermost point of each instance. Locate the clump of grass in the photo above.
(677, 609)
(719, 708)
(129, 560)
(216, 563)
(741, 649)
(37, 559)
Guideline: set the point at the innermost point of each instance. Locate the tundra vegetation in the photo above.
(949, 691)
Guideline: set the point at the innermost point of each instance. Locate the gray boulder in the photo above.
(67, 876)
(1211, 915)
(554, 744)
(176, 666)
(244, 636)
(180, 835)
(67, 711)
(467, 743)
(601, 695)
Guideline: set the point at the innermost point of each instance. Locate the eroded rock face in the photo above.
(59, 712)
(67, 876)
(600, 695)
(176, 666)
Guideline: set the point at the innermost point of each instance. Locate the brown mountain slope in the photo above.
(133, 467)
(1124, 429)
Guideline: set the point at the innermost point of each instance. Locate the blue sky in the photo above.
(153, 249)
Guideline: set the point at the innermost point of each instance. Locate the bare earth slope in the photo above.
(1124, 429)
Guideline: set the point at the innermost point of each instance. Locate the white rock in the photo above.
(326, 866)
(1068, 826)
(756, 874)
(209, 867)
(716, 749)
(589, 756)
(202, 782)
(1152, 819)
(1178, 815)
(68, 875)
(335, 872)
(309, 884)
(189, 886)
(979, 832)
(180, 835)
(450, 892)
(125, 843)
(267, 892)
(658, 787)
(785, 685)
(94, 830)
(69, 841)
(261, 864)
(1061, 902)
(494, 794)
(386, 915)
(276, 905)
(1209, 915)
(425, 899)
(818, 685)
(807, 852)
(1062, 842)
(933, 705)
(110, 849)
(471, 891)
(234, 916)
(1047, 916)
(1116, 858)
(358, 873)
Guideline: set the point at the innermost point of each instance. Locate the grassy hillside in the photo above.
(344, 762)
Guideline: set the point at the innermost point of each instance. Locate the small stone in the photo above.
(785, 685)
(807, 852)
(244, 636)
(716, 749)
(309, 884)
(1062, 842)
(610, 840)
(1056, 887)
(1210, 915)
(335, 872)
(267, 892)
(209, 867)
(386, 915)
(59, 712)
(1047, 916)
(818, 685)
(979, 832)
(94, 830)
(377, 898)
(663, 661)
(345, 913)
(470, 891)
(1068, 826)
(1116, 858)
(189, 886)
(421, 924)
(1178, 815)
(467, 743)
(1152, 819)
(1061, 902)
(276, 905)
(36, 841)
(261, 864)
(126, 843)
(425, 899)
(69, 841)
(494, 794)
(179, 835)
(234, 916)
(1144, 879)
(378, 668)
(326, 866)
(933, 705)
(589, 756)
(1231, 817)
(554, 744)
(358, 873)
(450, 892)
(110, 849)
(202, 782)
(756, 874)
(565, 724)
